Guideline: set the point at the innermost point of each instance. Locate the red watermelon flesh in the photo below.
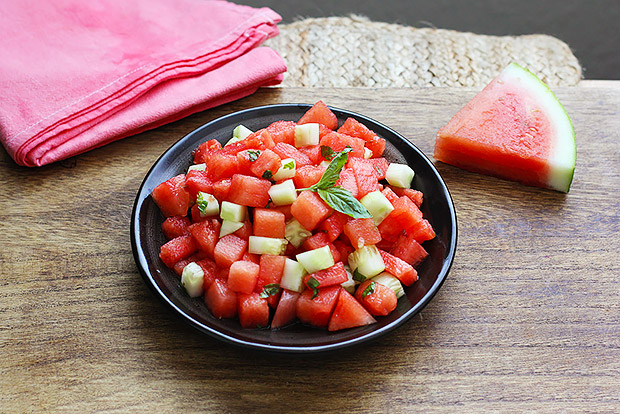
(514, 129)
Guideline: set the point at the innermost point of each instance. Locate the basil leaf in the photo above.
(327, 152)
(358, 277)
(313, 283)
(370, 289)
(341, 199)
(201, 202)
(267, 175)
(332, 173)
(253, 155)
(270, 290)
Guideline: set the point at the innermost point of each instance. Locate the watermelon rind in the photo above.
(563, 156)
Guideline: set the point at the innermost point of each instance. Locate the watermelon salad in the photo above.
(297, 222)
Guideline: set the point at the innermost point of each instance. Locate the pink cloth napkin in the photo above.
(76, 75)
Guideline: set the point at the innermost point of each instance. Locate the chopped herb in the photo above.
(267, 175)
(201, 202)
(253, 155)
(370, 289)
(270, 290)
(378, 170)
(313, 284)
(358, 277)
(327, 152)
(289, 165)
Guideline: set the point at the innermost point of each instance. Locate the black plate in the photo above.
(146, 239)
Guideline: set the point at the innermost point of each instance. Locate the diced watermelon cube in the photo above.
(331, 276)
(286, 309)
(288, 151)
(347, 181)
(308, 175)
(229, 249)
(269, 223)
(171, 196)
(205, 236)
(220, 300)
(379, 300)
(245, 159)
(408, 249)
(405, 216)
(400, 269)
(249, 191)
(356, 129)
(242, 276)
(221, 189)
(313, 152)
(348, 313)
(309, 209)
(253, 311)
(390, 194)
(320, 114)
(381, 165)
(416, 196)
(317, 311)
(362, 232)
(245, 231)
(339, 142)
(283, 131)
(220, 165)
(334, 225)
(177, 249)
(271, 269)
(258, 140)
(365, 176)
(175, 226)
(345, 250)
(267, 164)
(209, 268)
(201, 154)
(196, 181)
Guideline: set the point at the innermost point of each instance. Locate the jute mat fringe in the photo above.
(356, 52)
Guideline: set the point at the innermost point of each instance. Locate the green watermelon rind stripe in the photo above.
(562, 161)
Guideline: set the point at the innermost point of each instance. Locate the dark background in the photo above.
(590, 28)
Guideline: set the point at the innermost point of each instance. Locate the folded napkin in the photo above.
(76, 75)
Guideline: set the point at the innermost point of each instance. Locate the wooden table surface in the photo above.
(527, 320)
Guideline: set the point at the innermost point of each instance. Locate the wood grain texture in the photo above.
(528, 319)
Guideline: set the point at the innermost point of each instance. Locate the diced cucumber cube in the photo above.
(349, 285)
(292, 276)
(233, 212)
(286, 171)
(367, 261)
(377, 205)
(229, 227)
(207, 204)
(367, 153)
(295, 233)
(306, 134)
(192, 279)
(399, 175)
(390, 281)
(197, 167)
(317, 259)
(232, 141)
(266, 245)
(241, 132)
(283, 194)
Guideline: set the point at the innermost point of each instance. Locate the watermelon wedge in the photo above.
(515, 129)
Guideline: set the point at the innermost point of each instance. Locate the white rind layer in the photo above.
(564, 150)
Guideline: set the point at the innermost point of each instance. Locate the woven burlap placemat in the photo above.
(356, 52)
